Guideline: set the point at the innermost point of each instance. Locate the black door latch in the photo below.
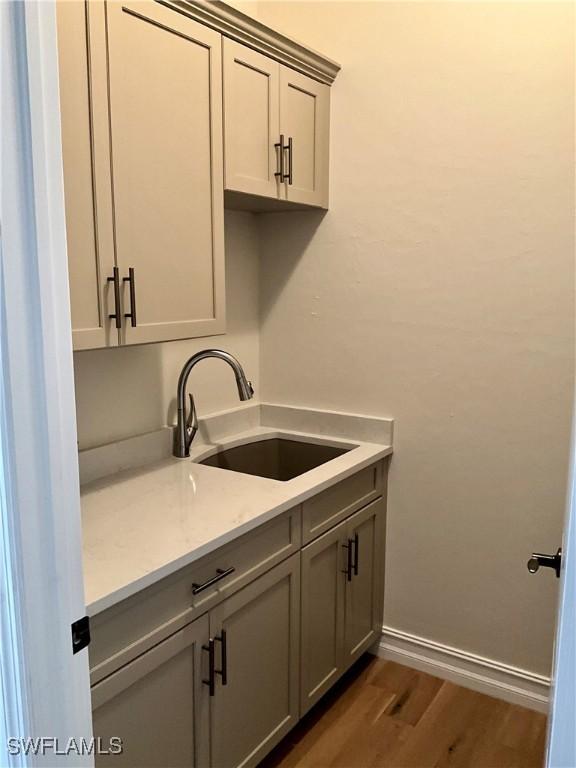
(80, 634)
(547, 561)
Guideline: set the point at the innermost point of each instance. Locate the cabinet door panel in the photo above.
(304, 117)
(323, 580)
(259, 703)
(157, 705)
(363, 623)
(251, 120)
(166, 147)
(88, 266)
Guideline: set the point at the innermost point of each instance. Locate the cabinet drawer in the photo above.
(129, 628)
(328, 508)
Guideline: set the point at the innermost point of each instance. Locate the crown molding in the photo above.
(236, 25)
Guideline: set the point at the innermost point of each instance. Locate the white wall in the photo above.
(125, 392)
(438, 290)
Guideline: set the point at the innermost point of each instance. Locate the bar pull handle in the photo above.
(130, 279)
(348, 570)
(280, 147)
(116, 280)
(223, 671)
(290, 148)
(220, 574)
(211, 682)
(355, 542)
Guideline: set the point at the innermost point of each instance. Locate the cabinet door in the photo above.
(157, 705)
(251, 120)
(363, 623)
(165, 125)
(89, 266)
(305, 120)
(259, 703)
(323, 585)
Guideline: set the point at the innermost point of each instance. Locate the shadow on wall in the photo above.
(303, 226)
(124, 387)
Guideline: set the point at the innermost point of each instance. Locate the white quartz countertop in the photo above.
(142, 524)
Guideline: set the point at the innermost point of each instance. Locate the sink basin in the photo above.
(276, 458)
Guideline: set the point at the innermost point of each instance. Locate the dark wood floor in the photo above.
(383, 715)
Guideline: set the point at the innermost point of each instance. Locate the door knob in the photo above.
(547, 561)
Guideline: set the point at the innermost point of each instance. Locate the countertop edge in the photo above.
(171, 567)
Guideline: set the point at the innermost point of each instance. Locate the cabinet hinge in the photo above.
(80, 634)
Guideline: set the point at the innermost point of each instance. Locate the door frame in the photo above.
(46, 686)
(561, 747)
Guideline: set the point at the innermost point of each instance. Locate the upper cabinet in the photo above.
(305, 132)
(147, 153)
(88, 265)
(276, 130)
(146, 128)
(251, 121)
(165, 165)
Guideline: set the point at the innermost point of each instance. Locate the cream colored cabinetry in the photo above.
(251, 120)
(89, 265)
(323, 588)
(164, 73)
(305, 125)
(258, 704)
(342, 578)
(213, 665)
(157, 705)
(147, 155)
(154, 164)
(277, 124)
(220, 692)
(364, 589)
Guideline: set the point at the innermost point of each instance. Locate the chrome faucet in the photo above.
(188, 425)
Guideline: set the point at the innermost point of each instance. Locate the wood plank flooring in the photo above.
(384, 715)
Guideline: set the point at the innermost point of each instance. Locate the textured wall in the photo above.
(124, 392)
(438, 290)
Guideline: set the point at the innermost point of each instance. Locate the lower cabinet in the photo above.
(188, 674)
(342, 593)
(220, 692)
(323, 585)
(157, 705)
(259, 629)
(364, 590)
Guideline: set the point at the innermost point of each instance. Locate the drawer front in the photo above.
(333, 505)
(129, 628)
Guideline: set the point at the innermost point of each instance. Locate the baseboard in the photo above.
(518, 686)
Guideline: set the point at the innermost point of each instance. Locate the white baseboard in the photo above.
(518, 686)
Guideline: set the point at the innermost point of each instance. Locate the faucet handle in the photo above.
(191, 423)
(192, 419)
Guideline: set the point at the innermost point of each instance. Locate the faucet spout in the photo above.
(187, 424)
(245, 388)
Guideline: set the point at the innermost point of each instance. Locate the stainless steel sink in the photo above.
(276, 458)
